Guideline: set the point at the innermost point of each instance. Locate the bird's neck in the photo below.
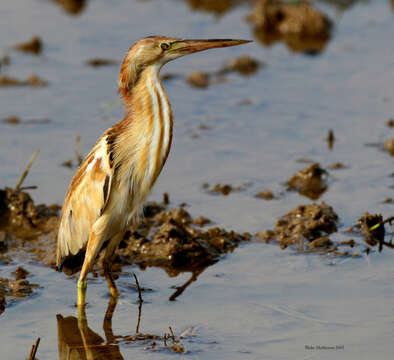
(148, 123)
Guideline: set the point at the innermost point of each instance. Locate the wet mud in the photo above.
(307, 223)
(99, 62)
(223, 189)
(32, 80)
(16, 120)
(244, 65)
(72, 7)
(265, 194)
(169, 238)
(300, 25)
(388, 145)
(172, 239)
(218, 7)
(19, 215)
(310, 181)
(12, 290)
(198, 79)
(364, 225)
(307, 228)
(32, 46)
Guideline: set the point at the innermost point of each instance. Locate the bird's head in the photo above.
(158, 50)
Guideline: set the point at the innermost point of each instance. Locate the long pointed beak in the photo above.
(184, 47)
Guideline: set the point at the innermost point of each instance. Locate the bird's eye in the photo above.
(165, 46)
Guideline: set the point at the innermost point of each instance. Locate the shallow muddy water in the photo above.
(258, 301)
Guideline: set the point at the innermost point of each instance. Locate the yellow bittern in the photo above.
(106, 195)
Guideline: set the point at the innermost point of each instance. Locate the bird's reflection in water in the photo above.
(77, 341)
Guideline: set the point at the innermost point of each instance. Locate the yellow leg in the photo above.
(111, 282)
(107, 263)
(82, 285)
(93, 248)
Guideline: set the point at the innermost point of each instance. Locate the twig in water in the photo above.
(26, 171)
(32, 187)
(188, 331)
(388, 220)
(139, 289)
(140, 301)
(33, 350)
(172, 334)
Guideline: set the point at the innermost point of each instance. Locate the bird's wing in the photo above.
(85, 201)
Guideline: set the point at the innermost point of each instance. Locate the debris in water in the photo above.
(265, 194)
(310, 182)
(4, 61)
(169, 76)
(12, 290)
(337, 166)
(218, 7)
(16, 120)
(34, 46)
(309, 222)
(321, 242)
(299, 24)
(12, 120)
(330, 139)
(72, 7)
(388, 145)
(224, 189)
(33, 350)
(199, 79)
(244, 65)
(98, 62)
(366, 224)
(32, 80)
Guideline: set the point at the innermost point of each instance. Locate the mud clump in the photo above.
(12, 290)
(19, 215)
(16, 120)
(199, 79)
(169, 238)
(4, 61)
(330, 139)
(32, 80)
(218, 7)
(310, 182)
(306, 222)
(99, 62)
(244, 65)
(33, 46)
(265, 194)
(299, 24)
(366, 222)
(321, 242)
(388, 145)
(223, 189)
(72, 7)
(336, 166)
(27, 226)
